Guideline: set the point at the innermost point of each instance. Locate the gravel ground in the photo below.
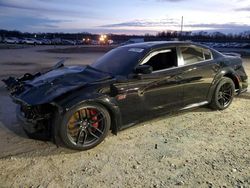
(195, 148)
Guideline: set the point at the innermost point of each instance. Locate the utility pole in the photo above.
(181, 25)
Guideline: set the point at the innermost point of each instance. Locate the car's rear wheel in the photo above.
(223, 95)
(84, 126)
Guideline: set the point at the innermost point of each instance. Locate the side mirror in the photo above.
(144, 69)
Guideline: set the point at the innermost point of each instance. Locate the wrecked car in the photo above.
(78, 105)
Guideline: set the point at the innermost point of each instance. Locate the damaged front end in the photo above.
(17, 85)
(36, 93)
(34, 118)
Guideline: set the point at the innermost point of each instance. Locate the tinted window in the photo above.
(192, 55)
(163, 60)
(119, 61)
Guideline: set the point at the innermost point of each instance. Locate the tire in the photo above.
(83, 127)
(223, 94)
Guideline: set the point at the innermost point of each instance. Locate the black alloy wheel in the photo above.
(224, 94)
(85, 126)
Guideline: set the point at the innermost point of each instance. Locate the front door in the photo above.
(164, 93)
(150, 94)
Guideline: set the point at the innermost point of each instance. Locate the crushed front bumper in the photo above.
(28, 125)
(34, 118)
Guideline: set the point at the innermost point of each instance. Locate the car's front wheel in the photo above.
(84, 126)
(223, 94)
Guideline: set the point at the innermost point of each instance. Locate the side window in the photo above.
(194, 54)
(191, 55)
(161, 60)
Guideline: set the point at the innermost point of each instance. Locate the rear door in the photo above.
(198, 73)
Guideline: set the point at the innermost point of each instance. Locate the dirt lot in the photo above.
(196, 148)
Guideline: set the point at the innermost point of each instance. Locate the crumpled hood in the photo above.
(48, 86)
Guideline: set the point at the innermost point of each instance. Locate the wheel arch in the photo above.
(235, 79)
(103, 100)
(114, 115)
(223, 97)
(229, 73)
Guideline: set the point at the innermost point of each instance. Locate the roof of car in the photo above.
(159, 44)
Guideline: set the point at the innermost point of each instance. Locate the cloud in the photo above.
(29, 15)
(225, 28)
(175, 23)
(32, 15)
(144, 23)
(25, 6)
(172, 24)
(220, 26)
(17, 6)
(243, 9)
(17, 23)
(172, 1)
(43, 7)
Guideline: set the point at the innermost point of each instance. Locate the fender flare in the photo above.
(225, 72)
(106, 101)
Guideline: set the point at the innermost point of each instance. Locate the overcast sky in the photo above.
(124, 16)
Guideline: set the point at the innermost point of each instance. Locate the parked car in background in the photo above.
(56, 41)
(11, 40)
(28, 41)
(68, 42)
(94, 42)
(78, 105)
(46, 41)
(38, 41)
(79, 42)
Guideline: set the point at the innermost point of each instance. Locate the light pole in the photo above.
(182, 19)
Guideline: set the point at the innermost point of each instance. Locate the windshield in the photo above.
(119, 61)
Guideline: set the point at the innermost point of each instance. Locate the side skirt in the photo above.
(147, 119)
(195, 105)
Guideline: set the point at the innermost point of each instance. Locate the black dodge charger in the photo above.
(78, 105)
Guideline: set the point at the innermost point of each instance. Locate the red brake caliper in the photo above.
(94, 118)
